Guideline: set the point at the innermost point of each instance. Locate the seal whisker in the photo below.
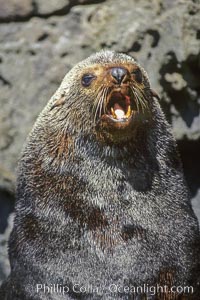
(101, 102)
(143, 95)
(140, 96)
(97, 95)
(105, 96)
(139, 99)
(136, 99)
(98, 102)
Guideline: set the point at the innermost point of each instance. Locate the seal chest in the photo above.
(101, 198)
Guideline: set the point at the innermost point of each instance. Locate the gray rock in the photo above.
(12, 9)
(44, 7)
(196, 204)
(4, 262)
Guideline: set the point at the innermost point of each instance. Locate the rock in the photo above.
(58, 7)
(4, 262)
(13, 9)
(6, 222)
(176, 80)
(196, 205)
(52, 6)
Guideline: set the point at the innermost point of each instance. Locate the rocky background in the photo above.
(41, 40)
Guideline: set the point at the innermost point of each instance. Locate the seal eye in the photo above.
(87, 79)
(137, 75)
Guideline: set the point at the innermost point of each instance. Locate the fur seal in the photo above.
(102, 208)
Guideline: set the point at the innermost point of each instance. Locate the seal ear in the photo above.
(154, 94)
(58, 102)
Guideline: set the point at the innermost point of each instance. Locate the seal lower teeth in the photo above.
(117, 113)
(120, 114)
(128, 112)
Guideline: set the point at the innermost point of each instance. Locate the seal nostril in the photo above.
(118, 73)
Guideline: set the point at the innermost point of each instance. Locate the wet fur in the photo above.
(98, 212)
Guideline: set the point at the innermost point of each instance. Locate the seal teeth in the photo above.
(128, 112)
(113, 113)
(120, 113)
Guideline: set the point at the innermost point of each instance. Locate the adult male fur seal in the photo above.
(102, 209)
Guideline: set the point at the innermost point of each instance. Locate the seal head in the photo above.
(116, 95)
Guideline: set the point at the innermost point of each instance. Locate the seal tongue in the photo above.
(119, 112)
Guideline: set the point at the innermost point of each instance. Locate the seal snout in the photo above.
(118, 73)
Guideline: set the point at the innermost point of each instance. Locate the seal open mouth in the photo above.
(119, 108)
